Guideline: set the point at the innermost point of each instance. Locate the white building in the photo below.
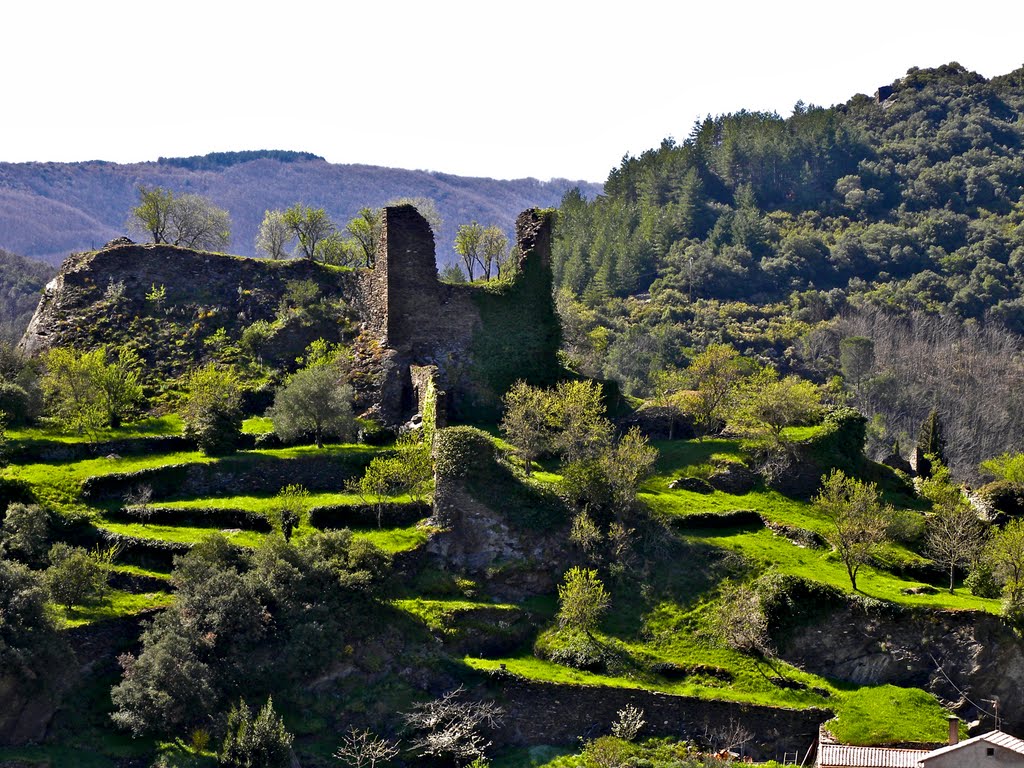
(994, 749)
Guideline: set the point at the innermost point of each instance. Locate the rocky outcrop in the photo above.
(960, 656)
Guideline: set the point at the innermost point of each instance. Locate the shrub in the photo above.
(25, 532)
(212, 410)
(262, 741)
(16, 402)
(75, 577)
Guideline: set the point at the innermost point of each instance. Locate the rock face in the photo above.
(960, 656)
(177, 307)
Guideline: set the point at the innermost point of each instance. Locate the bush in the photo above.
(75, 577)
(981, 581)
(25, 532)
(16, 402)
(212, 410)
(1004, 497)
(262, 742)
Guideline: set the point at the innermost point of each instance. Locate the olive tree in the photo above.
(315, 402)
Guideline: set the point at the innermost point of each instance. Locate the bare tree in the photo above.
(450, 726)
(139, 502)
(364, 749)
(969, 373)
(274, 235)
(740, 621)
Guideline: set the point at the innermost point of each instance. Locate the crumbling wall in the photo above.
(479, 338)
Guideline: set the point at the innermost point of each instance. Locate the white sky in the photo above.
(487, 88)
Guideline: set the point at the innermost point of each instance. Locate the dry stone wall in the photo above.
(477, 337)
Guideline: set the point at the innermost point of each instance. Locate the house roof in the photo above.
(842, 756)
(997, 738)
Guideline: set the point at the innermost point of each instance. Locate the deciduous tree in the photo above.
(528, 422)
(582, 600)
(713, 377)
(310, 226)
(493, 250)
(188, 220)
(212, 409)
(365, 231)
(469, 245)
(274, 235)
(858, 521)
(954, 535)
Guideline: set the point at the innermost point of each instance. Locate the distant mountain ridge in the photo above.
(48, 210)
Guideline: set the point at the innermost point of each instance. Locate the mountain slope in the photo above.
(48, 210)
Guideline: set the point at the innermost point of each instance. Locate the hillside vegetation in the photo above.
(785, 236)
(48, 210)
(667, 546)
(21, 282)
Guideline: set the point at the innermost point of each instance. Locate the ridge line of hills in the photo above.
(48, 210)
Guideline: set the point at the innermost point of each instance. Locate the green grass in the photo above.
(768, 550)
(887, 714)
(116, 604)
(136, 570)
(801, 434)
(52, 473)
(257, 425)
(181, 534)
(157, 426)
(263, 504)
(547, 671)
(394, 539)
(302, 451)
(437, 614)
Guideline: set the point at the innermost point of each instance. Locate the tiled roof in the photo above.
(997, 738)
(842, 756)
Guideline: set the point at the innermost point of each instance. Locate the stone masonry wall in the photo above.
(479, 337)
(545, 713)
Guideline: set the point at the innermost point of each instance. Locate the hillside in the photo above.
(48, 210)
(21, 282)
(895, 218)
(412, 522)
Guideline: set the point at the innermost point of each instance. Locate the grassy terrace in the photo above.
(437, 614)
(675, 630)
(263, 504)
(58, 484)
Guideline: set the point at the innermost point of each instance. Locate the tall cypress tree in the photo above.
(930, 442)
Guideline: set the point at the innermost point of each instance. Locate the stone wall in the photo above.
(544, 713)
(478, 337)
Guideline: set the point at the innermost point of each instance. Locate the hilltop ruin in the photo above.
(413, 337)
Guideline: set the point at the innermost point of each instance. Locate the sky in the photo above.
(543, 89)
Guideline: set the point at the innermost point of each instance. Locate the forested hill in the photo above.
(21, 282)
(48, 210)
(757, 230)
